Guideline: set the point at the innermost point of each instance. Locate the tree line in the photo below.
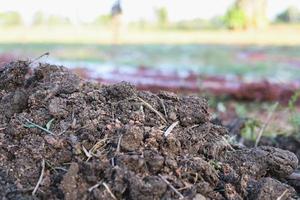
(243, 14)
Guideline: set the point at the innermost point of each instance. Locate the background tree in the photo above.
(54, 20)
(116, 20)
(39, 18)
(10, 19)
(162, 17)
(103, 20)
(247, 14)
(235, 18)
(290, 15)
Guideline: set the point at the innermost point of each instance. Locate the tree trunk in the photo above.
(255, 11)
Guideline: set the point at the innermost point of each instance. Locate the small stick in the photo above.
(55, 168)
(113, 161)
(90, 153)
(119, 144)
(164, 107)
(97, 145)
(171, 186)
(151, 108)
(95, 186)
(61, 168)
(194, 126)
(294, 176)
(37, 126)
(40, 178)
(185, 187)
(50, 165)
(282, 195)
(87, 153)
(168, 131)
(266, 124)
(63, 131)
(44, 54)
(109, 191)
(142, 111)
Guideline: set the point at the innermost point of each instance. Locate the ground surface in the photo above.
(255, 54)
(275, 34)
(61, 137)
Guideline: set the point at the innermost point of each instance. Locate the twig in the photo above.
(37, 126)
(87, 153)
(109, 191)
(50, 165)
(49, 123)
(97, 145)
(168, 131)
(113, 161)
(194, 126)
(63, 131)
(44, 54)
(95, 186)
(119, 144)
(1, 129)
(294, 176)
(185, 187)
(40, 178)
(151, 108)
(142, 111)
(90, 153)
(171, 186)
(61, 168)
(164, 107)
(282, 195)
(266, 124)
(55, 168)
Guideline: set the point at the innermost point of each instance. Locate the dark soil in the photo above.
(290, 143)
(114, 142)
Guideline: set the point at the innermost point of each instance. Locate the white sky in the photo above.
(87, 10)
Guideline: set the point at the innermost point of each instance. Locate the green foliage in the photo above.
(248, 131)
(290, 15)
(30, 124)
(103, 20)
(10, 19)
(241, 110)
(197, 24)
(162, 17)
(294, 116)
(295, 121)
(216, 164)
(293, 101)
(58, 20)
(235, 18)
(48, 125)
(41, 19)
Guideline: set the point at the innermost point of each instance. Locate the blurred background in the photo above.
(244, 55)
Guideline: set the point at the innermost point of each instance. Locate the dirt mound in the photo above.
(290, 143)
(64, 138)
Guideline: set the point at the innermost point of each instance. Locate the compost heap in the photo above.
(65, 138)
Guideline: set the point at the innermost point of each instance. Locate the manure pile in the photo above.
(65, 138)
